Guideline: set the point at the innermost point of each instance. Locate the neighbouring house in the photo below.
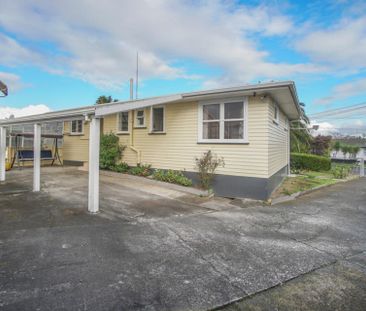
(248, 126)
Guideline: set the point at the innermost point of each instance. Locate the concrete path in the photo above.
(149, 252)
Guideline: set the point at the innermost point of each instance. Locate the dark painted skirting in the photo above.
(73, 163)
(244, 187)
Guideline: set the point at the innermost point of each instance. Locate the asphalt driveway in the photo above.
(155, 250)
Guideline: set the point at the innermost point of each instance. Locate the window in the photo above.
(123, 122)
(77, 127)
(140, 118)
(157, 119)
(276, 114)
(223, 122)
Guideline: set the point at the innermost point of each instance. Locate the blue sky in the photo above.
(64, 54)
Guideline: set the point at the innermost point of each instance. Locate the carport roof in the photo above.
(284, 93)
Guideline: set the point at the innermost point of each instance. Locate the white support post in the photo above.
(362, 167)
(94, 142)
(37, 158)
(2, 152)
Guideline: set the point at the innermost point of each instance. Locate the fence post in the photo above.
(362, 167)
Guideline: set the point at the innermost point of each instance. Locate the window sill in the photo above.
(139, 127)
(76, 134)
(157, 133)
(223, 143)
(123, 133)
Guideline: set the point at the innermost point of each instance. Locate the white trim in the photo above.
(2, 152)
(128, 123)
(151, 130)
(136, 125)
(37, 140)
(77, 133)
(276, 119)
(222, 120)
(94, 150)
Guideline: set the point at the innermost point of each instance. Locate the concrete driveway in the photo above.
(151, 249)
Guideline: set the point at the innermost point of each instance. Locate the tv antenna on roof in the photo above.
(137, 74)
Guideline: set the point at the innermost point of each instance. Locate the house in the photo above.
(248, 126)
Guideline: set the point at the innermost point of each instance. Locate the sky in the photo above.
(64, 54)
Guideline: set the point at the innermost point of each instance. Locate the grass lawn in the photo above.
(305, 181)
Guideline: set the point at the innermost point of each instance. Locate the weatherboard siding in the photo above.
(178, 147)
(75, 147)
(278, 141)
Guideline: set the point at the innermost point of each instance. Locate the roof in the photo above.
(284, 93)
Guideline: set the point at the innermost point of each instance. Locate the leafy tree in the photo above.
(337, 146)
(345, 150)
(105, 100)
(320, 145)
(110, 151)
(354, 150)
(300, 138)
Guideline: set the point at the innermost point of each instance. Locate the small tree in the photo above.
(207, 166)
(110, 151)
(354, 150)
(321, 145)
(345, 150)
(105, 100)
(337, 146)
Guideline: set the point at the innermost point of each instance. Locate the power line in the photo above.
(340, 111)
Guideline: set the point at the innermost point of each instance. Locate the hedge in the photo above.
(311, 162)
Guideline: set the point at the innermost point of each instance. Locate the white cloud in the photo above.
(345, 90)
(98, 42)
(12, 81)
(342, 45)
(6, 112)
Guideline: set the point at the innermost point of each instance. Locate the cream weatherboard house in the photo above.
(248, 126)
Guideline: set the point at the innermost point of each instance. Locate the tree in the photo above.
(354, 150)
(321, 145)
(337, 146)
(300, 137)
(105, 100)
(345, 150)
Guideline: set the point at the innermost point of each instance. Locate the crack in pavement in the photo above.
(202, 257)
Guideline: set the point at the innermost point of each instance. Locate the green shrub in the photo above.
(140, 170)
(174, 177)
(341, 171)
(110, 151)
(121, 167)
(207, 166)
(303, 161)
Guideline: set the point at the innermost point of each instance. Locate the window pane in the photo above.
(234, 130)
(158, 119)
(140, 113)
(211, 130)
(211, 112)
(73, 126)
(123, 121)
(234, 110)
(80, 126)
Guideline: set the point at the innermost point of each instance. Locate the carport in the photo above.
(92, 114)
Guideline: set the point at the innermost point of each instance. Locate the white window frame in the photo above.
(82, 127)
(276, 119)
(119, 131)
(136, 123)
(222, 120)
(152, 120)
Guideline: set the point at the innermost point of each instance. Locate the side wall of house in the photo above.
(75, 147)
(178, 147)
(278, 146)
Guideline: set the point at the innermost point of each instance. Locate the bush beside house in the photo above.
(302, 161)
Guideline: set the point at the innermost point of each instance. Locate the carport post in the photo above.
(94, 142)
(2, 152)
(37, 158)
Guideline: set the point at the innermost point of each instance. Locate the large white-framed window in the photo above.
(157, 119)
(76, 127)
(122, 122)
(140, 118)
(223, 121)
